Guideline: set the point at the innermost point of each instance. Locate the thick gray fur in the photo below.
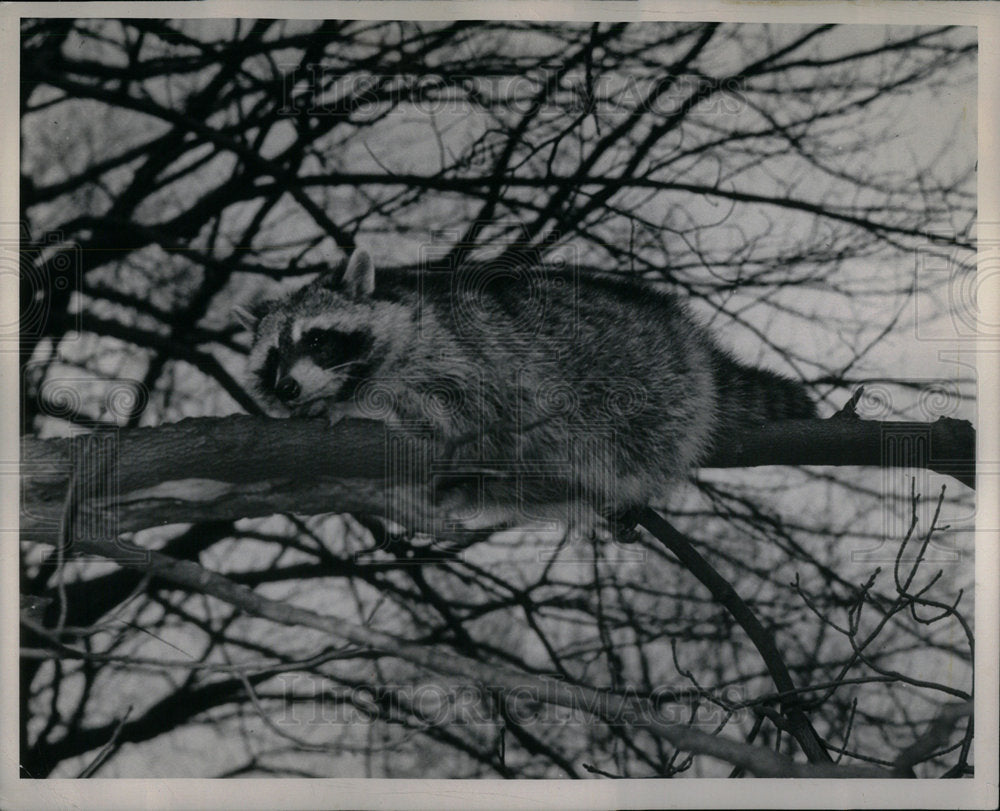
(608, 390)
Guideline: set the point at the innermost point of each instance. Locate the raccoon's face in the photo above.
(315, 348)
(311, 361)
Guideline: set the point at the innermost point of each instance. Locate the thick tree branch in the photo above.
(235, 467)
(946, 446)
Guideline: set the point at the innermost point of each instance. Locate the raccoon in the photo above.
(558, 395)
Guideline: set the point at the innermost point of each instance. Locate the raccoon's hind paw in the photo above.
(472, 503)
(454, 489)
(458, 498)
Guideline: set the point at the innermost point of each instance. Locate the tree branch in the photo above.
(604, 705)
(236, 467)
(798, 722)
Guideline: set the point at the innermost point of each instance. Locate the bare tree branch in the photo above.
(237, 467)
(605, 705)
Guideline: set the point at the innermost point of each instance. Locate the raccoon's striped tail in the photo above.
(746, 395)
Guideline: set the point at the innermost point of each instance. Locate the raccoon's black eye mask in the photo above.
(330, 347)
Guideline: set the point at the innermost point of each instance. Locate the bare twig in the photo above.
(799, 724)
(587, 699)
(90, 769)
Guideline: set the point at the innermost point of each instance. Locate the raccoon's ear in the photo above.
(359, 278)
(250, 317)
(246, 318)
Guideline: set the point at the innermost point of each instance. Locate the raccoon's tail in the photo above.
(746, 395)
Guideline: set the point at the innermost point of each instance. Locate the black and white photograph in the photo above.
(478, 403)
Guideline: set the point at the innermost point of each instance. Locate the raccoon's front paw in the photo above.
(339, 411)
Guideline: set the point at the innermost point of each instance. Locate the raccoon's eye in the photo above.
(333, 347)
(317, 340)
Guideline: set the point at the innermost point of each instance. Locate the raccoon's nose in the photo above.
(287, 388)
